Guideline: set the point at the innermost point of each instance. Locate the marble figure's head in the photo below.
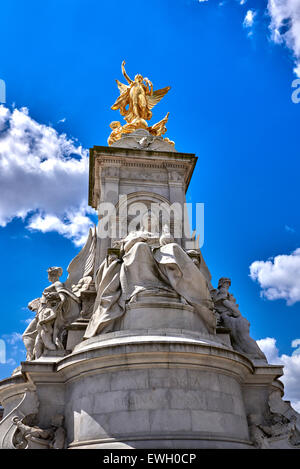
(54, 273)
(112, 255)
(224, 282)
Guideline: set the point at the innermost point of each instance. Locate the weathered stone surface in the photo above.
(143, 140)
(161, 401)
(157, 376)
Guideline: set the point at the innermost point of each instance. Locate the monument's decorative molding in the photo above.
(21, 403)
(154, 166)
(30, 436)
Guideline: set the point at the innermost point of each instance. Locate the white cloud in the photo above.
(289, 229)
(28, 320)
(15, 347)
(43, 177)
(285, 26)
(279, 277)
(75, 226)
(295, 343)
(249, 19)
(12, 338)
(11, 362)
(291, 376)
(268, 346)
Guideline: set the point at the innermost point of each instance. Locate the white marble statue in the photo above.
(230, 317)
(33, 437)
(53, 311)
(61, 303)
(149, 263)
(278, 427)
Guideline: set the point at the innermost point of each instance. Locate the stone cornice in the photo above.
(132, 158)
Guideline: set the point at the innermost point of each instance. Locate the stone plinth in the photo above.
(149, 389)
(143, 176)
(160, 312)
(155, 371)
(116, 171)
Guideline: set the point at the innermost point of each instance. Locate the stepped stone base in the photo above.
(147, 389)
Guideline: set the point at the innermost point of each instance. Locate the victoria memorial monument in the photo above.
(137, 348)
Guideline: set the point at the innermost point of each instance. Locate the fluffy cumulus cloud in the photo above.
(12, 349)
(43, 177)
(12, 338)
(285, 26)
(279, 278)
(291, 363)
(249, 19)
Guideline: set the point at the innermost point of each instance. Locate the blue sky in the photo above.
(231, 65)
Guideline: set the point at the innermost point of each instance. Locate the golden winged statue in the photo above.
(135, 103)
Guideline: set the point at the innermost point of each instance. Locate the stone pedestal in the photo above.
(155, 175)
(159, 313)
(163, 392)
(150, 388)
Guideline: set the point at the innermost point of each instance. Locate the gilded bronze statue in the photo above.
(135, 103)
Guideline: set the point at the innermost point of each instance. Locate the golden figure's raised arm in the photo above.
(125, 74)
(150, 85)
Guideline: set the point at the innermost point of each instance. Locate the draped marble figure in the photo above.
(53, 310)
(153, 264)
(230, 317)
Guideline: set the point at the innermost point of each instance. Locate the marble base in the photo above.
(144, 389)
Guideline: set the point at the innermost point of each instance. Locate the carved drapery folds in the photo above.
(279, 427)
(61, 304)
(53, 311)
(28, 435)
(148, 263)
(230, 317)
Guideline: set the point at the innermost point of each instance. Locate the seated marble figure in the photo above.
(56, 308)
(229, 316)
(152, 264)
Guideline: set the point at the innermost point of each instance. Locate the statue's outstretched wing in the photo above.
(83, 264)
(122, 87)
(123, 100)
(157, 96)
(159, 128)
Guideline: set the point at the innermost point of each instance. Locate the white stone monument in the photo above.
(137, 349)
